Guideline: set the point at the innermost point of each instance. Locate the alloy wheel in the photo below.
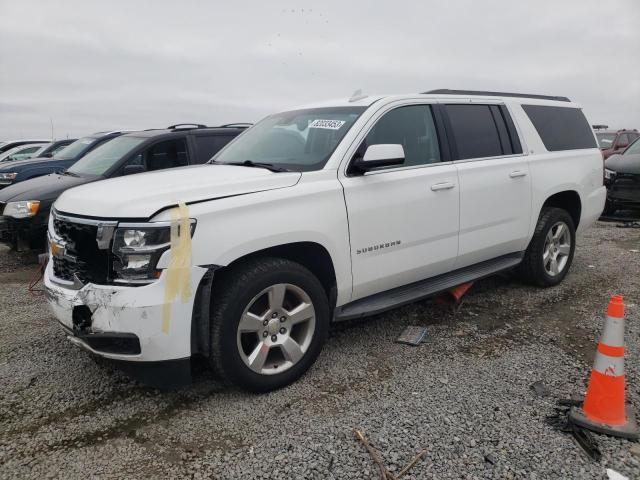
(276, 329)
(557, 248)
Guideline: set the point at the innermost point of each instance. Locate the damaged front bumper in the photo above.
(125, 323)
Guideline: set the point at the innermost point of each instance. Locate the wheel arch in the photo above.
(568, 200)
(312, 255)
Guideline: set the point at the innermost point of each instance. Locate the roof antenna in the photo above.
(357, 95)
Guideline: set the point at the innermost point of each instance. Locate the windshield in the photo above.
(74, 149)
(301, 140)
(100, 160)
(605, 140)
(8, 153)
(633, 149)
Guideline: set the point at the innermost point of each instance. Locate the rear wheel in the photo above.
(270, 320)
(550, 252)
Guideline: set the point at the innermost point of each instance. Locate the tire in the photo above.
(251, 292)
(537, 267)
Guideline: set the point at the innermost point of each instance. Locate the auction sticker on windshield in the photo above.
(328, 124)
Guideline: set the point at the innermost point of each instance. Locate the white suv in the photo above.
(328, 212)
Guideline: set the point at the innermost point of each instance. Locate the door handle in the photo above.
(442, 186)
(518, 173)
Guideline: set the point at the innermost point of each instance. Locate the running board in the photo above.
(399, 296)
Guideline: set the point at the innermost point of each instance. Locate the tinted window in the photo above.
(475, 131)
(168, 154)
(207, 146)
(413, 128)
(561, 128)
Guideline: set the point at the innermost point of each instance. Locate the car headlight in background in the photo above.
(7, 177)
(26, 209)
(137, 249)
(609, 174)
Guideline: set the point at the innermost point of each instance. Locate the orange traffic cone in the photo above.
(604, 409)
(453, 296)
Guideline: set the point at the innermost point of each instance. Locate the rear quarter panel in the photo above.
(555, 172)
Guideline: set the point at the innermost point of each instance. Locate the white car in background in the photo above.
(22, 152)
(328, 212)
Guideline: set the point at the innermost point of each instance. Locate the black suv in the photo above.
(25, 207)
(622, 179)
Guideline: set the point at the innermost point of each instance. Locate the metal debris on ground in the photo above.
(490, 458)
(540, 389)
(385, 474)
(629, 225)
(412, 335)
(561, 421)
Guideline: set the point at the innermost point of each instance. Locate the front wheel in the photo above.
(270, 319)
(550, 252)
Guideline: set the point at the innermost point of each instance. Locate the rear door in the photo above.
(495, 185)
(403, 220)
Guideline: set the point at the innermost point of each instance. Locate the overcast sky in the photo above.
(101, 65)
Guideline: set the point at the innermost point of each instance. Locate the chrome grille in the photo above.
(79, 256)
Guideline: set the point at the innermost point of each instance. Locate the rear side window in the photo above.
(561, 128)
(207, 146)
(482, 131)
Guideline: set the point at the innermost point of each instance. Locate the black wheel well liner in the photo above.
(311, 255)
(568, 200)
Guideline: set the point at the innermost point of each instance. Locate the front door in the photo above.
(403, 220)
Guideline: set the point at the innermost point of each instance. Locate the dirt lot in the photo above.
(464, 395)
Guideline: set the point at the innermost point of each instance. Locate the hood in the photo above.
(47, 187)
(624, 163)
(143, 194)
(9, 166)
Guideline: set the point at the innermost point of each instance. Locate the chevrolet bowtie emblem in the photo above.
(57, 249)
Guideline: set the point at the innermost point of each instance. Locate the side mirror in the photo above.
(133, 169)
(47, 155)
(381, 155)
(622, 146)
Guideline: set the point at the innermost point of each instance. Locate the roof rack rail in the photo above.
(192, 125)
(111, 132)
(446, 91)
(237, 124)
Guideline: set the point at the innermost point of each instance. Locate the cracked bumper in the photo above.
(128, 310)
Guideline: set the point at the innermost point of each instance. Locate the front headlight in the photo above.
(137, 249)
(8, 177)
(609, 174)
(26, 209)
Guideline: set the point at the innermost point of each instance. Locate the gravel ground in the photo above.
(464, 394)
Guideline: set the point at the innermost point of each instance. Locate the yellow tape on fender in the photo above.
(178, 274)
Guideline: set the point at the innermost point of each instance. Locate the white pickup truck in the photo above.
(328, 212)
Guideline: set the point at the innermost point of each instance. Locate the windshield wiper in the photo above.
(71, 174)
(251, 163)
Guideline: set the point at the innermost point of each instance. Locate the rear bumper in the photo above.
(125, 323)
